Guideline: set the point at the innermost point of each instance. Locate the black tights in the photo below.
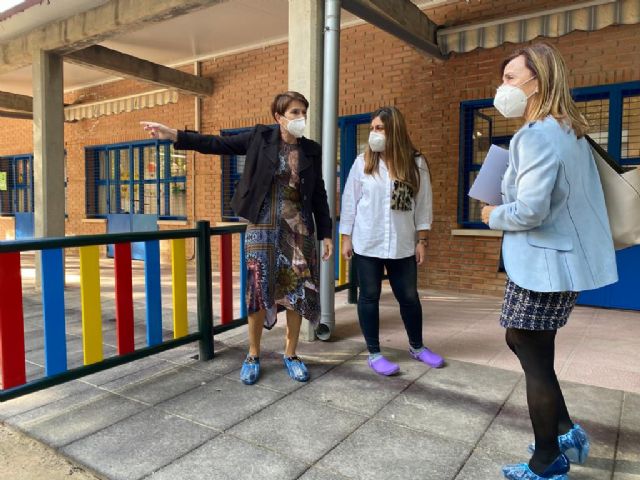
(549, 416)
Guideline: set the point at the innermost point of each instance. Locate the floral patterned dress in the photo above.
(282, 263)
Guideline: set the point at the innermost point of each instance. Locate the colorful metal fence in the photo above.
(12, 340)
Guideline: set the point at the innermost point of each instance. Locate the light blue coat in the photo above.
(556, 230)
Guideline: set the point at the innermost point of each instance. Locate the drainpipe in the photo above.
(329, 156)
(197, 122)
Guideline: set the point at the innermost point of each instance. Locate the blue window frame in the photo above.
(143, 177)
(232, 168)
(613, 113)
(16, 196)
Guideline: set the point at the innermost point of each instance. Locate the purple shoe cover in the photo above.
(382, 366)
(427, 356)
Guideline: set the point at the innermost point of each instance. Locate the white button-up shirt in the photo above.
(366, 214)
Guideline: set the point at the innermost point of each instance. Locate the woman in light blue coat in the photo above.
(557, 242)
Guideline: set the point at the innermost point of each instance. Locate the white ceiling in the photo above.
(224, 28)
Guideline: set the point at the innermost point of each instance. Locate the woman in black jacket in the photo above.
(280, 193)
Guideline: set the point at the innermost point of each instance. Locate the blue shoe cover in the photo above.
(556, 471)
(250, 371)
(574, 444)
(296, 369)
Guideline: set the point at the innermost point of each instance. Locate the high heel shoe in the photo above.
(574, 444)
(556, 471)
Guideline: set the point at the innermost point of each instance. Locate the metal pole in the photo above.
(203, 272)
(329, 154)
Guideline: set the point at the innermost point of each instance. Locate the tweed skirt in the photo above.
(529, 310)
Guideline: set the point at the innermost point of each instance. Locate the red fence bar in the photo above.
(124, 298)
(12, 354)
(226, 279)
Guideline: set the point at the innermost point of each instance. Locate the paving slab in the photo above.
(298, 428)
(221, 403)
(485, 464)
(229, 458)
(459, 401)
(84, 420)
(315, 473)
(385, 450)
(355, 387)
(166, 385)
(40, 398)
(57, 408)
(157, 438)
(627, 465)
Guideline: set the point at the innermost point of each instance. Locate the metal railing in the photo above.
(12, 345)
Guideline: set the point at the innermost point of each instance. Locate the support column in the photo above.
(306, 25)
(48, 147)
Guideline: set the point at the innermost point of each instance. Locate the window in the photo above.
(146, 177)
(232, 168)
(16, 184)
(613, 113)
(353, 138)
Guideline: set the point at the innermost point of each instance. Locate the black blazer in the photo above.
(260, 145)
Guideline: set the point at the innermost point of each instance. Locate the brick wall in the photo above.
(375, 69)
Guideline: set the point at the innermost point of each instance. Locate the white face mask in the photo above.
(511, 101)
(377, 141)
(296, 126)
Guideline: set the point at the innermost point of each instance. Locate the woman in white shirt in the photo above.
(386, 212)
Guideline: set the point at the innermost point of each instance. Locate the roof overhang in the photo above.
(585, 16)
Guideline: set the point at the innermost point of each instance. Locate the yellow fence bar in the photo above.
(179, 287)
(90, 302)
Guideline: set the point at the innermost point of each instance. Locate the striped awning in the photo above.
(119, 105)
(585, 16)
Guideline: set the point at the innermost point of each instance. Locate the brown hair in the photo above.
(282, 101)
(399, 152)
(553, 96)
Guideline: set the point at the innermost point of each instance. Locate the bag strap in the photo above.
(619, 169)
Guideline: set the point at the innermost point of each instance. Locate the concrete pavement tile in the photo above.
(626, 476)
(224, 362)
(483, 464)
(111, 374)
(384, 450)
(229, 458)
(221, 403)
(43, 397)
(79, 422)
(33, 371)
(335, 350)
(137, 376)
(315, 473)
(354, 386)
(184, 354)
(459, 401)
(609, 376)
(188, 354)
(59, 407)
(138, 445)
(628, 454)
(299, 429)
(165, 385)
(510, 432)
